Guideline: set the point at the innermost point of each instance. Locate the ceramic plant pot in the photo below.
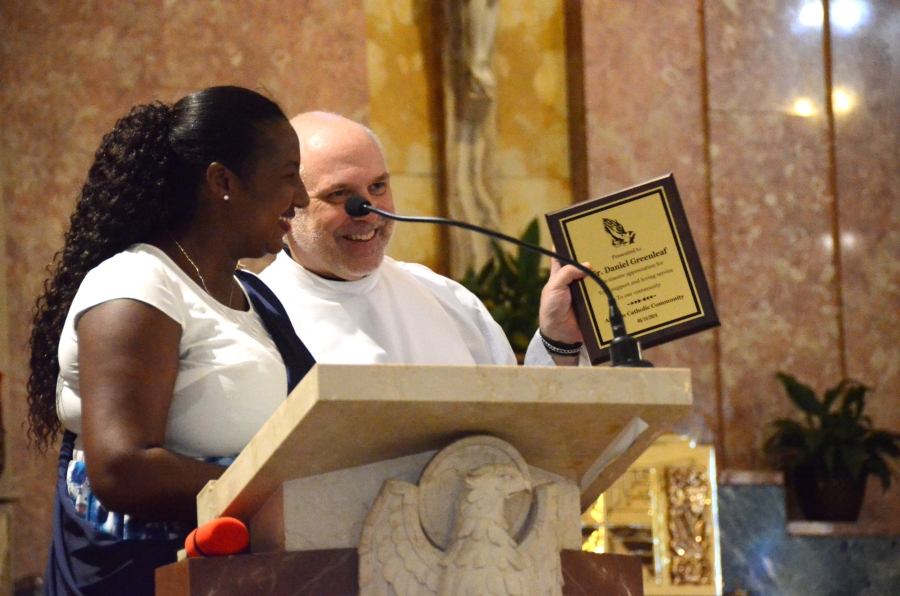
(826, 498)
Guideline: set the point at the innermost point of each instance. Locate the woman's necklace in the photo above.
(197, 269)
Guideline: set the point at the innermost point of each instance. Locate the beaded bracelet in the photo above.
(559, 348)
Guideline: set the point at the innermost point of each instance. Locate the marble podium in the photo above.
(352, 444)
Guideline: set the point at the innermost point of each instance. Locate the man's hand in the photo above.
(557, 319)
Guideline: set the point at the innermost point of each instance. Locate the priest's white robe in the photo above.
(402, 313)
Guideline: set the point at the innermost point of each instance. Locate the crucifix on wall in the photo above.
(470, 126)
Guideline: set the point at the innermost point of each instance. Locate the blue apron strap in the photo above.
(297, 358)
(58, 578)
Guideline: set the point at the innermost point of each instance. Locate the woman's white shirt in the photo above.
(231, 377)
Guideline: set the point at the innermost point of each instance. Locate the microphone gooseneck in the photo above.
(624, 350)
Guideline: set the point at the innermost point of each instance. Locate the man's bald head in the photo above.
(315, 128)
(340, 158)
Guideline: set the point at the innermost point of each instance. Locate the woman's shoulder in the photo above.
(141, 272)
(137, 260)
(147, 254)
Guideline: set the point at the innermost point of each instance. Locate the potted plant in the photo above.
(510, 286)
(828, 457)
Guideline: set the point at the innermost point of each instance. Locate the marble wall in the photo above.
(866, 65)
(645, 117)
(866, 90)
(792, 196)
(773, 209)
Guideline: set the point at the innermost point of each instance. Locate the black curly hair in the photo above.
(144, 181)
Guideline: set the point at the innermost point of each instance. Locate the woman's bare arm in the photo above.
(128, 360)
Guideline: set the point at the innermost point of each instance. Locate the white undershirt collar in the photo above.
(332, 288)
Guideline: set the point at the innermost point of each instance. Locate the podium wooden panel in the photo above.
(334, 573)
(563, 420)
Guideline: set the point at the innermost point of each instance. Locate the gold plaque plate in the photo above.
(638, 241)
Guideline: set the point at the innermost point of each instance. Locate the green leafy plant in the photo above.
(836, 436)
(510, 287)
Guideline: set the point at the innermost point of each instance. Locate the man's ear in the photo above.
(219, 179)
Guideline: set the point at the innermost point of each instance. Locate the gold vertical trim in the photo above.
(713, 274)
(435, 39)
(836, 255)
(5, 377)
(579, 172)
(4, 296)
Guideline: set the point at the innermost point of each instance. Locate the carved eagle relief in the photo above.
(482, 557)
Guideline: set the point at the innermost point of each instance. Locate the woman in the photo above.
(145, 346)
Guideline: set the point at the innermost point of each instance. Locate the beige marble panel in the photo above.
(643, 82)
(776, 281)
(327, 510)
(331, 510)
(415, 242)
(69, 70)
(400, 63)
(530, 197)
(399, 49)
(530, 62)
(866, 62)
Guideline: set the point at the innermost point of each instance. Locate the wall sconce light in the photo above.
(845, 15)
(842, 101)
(804, 107)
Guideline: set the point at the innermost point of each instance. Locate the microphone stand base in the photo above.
(625, 351)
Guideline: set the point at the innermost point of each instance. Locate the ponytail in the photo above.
(118, 203)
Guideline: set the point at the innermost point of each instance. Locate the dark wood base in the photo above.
(334, 573)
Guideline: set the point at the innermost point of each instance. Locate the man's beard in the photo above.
(316, 242)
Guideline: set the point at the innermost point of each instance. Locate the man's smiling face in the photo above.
(340, 159)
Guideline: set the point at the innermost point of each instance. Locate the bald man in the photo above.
(352, 304)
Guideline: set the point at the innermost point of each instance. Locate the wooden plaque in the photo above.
(638, 241)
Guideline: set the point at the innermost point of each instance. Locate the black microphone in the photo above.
(624, 350)
(356, 206)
